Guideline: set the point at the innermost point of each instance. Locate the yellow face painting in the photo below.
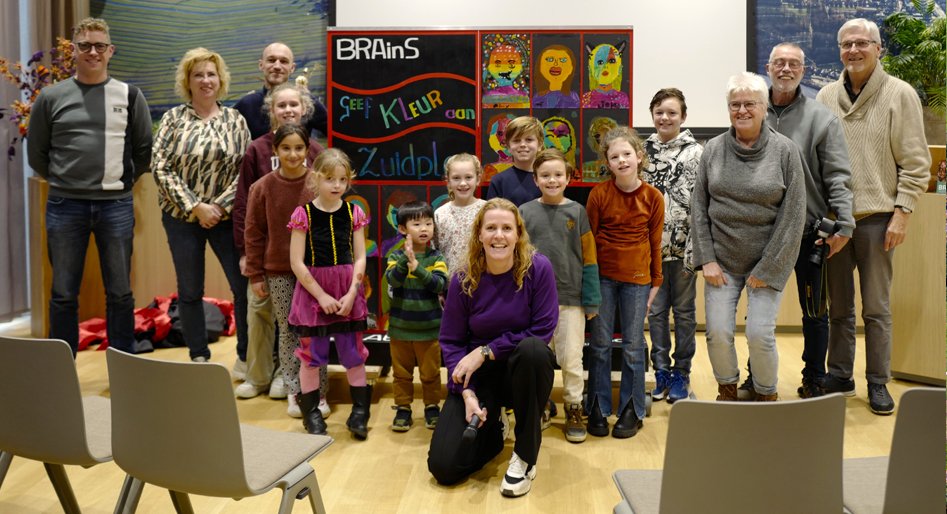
(556, 66)
(605, 65)
(506, 64)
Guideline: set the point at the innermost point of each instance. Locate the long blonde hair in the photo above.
(476, 258)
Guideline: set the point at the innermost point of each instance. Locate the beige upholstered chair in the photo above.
(910, 480)
(44, 416)
(726, 457)
(175, 425)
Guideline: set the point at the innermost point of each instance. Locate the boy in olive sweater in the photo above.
(417, 276)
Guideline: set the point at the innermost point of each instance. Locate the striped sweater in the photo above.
(415, 313)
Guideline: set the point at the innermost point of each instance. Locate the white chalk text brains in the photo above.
(348, 49)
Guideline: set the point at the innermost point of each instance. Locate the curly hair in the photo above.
(325, 164)
(476, 257)
(193, 57)
(304, 99)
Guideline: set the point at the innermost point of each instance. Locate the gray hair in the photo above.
(790, 45)
(865, 25)
(746, 82)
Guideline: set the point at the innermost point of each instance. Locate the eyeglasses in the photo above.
(861, 44)
(735, 106)
(86, 47)
(780, 63)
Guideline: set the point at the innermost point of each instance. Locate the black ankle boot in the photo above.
(597, 424)
(312, 418)
(358, 419)
(628, 423)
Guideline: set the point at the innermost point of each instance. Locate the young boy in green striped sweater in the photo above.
(417, 276)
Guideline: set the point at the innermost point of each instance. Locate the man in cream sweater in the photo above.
(881, 117)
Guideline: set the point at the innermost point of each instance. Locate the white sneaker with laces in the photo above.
(518, 478)
(293, 408)
(278, 388)
(239, 370)
(247, 390)
(324, 408)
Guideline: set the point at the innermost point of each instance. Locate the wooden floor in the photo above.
(388, 472)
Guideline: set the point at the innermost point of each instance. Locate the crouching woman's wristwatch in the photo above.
(486, 353)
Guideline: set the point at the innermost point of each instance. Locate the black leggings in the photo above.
(523, 382)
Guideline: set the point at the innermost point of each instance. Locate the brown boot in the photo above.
(767, 397)
(726, 392)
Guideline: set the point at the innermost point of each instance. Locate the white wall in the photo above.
(688, 44)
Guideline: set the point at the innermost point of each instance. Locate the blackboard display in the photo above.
(401, 103)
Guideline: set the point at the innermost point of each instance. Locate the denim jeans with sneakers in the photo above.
(762, 308)
(631, 303)
(678, 291)
(69, 222)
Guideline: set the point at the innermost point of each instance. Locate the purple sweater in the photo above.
(498, 315)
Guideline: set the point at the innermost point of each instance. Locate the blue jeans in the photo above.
(762, 306)
(69, 222)
(679, 291)
(815, 329)
(188, 242)
(631, 303)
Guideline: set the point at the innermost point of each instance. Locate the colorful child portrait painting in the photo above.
(595, 170)
(605, 69)
(496, 140)
(553, 83)
(559, 134)
(505, 73)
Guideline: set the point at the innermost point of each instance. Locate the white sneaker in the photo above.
(324, 408)
(293, 408)
(277, 388)
(247, 390)
(239, 370)
(518, 478)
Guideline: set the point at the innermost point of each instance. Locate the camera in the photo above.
(823, 228)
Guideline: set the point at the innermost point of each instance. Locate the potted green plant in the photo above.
(917, 54)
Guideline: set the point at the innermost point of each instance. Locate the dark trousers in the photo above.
(815, 329)
(188, 242)
(522, 382)
(69, 223)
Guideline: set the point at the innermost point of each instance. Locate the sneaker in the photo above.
(661, 381)
(431, 413)
(324, 408)
(810, 388)
(507, 421)
(278, 388)
(293, 408)
(879, 401)
(548, 413)
(199, 358)
(518, 478)
(833, 384)
(239, 370)
(575, 428)
(746, 393)
(248, 390)
(679, 385)
(402, 421)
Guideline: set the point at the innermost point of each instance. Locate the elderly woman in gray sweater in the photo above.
(748, 211)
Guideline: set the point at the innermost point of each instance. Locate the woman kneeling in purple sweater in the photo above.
(498, 319)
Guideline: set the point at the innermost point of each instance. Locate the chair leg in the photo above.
(315, 495)
(57, 475)
(182, 504)
(307, 487)
(5, 459)
(129, 496)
